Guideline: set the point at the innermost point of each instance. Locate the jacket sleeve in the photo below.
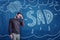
(22, 23)
(9, 27)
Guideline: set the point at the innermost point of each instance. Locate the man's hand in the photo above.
(11, 36)
(21, 16)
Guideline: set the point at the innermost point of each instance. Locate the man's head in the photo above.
(18, 15)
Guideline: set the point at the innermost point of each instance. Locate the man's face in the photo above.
(18, 15)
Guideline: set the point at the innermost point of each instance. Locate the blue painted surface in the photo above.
(33, 31)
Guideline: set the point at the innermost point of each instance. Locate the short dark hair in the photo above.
(18, 13)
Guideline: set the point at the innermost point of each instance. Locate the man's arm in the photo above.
(10, 26)
(22, 23)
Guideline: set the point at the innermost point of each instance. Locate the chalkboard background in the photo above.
(32, 29)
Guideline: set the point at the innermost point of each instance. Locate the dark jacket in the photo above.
(14, 25)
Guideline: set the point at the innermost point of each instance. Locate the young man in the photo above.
(14, 26)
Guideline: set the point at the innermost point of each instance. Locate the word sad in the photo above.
(40, 17)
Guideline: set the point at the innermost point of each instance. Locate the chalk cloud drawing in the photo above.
(14, 6)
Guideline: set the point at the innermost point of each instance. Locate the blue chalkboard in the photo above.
(41, 18)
